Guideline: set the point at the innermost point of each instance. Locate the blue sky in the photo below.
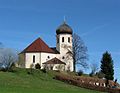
(96, 21)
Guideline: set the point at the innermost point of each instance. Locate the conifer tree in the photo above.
(107, 66)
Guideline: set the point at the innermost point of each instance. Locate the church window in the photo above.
(63, 57)
(62, 39)
(69, 39)
(33, 58)
(48, 57)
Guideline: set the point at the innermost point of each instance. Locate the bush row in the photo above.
(71, 80)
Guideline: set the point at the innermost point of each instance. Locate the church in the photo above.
(53, 58)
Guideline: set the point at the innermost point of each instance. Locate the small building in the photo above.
(55, 58)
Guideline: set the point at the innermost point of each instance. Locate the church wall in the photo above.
(68, 61)
(60, 67)
(39, 58)
(29, 59)
(43, 57)
(47, 56)
(63, 47)
(21, 60)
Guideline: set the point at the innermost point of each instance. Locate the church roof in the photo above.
(63, 29)
(38, 46)
(54, 61)
(55, 50)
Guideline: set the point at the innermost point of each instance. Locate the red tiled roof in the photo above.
(38, 46)
(54, 61)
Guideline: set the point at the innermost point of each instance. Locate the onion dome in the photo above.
(64, 29)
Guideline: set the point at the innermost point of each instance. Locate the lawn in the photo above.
(22, 82)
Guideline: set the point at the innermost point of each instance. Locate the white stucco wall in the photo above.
(39, 58)
(44, 57)
(60, 67)
(63, 48)
(60, 46)
(29, 59)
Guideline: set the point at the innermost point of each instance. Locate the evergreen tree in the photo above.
(107, 66)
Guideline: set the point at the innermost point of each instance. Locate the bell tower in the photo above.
(64, 44)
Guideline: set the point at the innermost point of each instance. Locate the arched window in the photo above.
(62, 39)
(33, 58)
(69, 39)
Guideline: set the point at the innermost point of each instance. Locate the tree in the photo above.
(100, 75)
(37, 66)
(79, 52)
(7, 57)
(107, 66)
(94, 68)
(80, 73)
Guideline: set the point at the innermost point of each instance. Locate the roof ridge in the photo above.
(38, 46)
(54, 60)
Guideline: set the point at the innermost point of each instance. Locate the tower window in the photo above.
(62, 39)
(33, 58)
(69, 39)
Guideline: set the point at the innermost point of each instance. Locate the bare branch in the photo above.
(79, 53)
(7, 57)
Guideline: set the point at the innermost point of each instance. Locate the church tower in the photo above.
(64, 44)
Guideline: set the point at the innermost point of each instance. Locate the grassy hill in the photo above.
(22, 82)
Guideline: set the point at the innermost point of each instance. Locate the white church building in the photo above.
(55, 58)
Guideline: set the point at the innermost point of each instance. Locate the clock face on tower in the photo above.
(66, 46)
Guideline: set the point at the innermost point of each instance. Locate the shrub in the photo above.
(44, 70)
(28, 73)
(73, 81)
(37, 66)
(12, 68)
(100, 74)
(3, 69)
(91, 74)
(80, 73)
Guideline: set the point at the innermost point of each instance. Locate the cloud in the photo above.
(95, 29)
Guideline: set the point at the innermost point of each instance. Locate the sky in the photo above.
(97, 22)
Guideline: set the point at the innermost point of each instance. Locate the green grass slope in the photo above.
(39, 82)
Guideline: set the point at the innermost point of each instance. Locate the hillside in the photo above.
(38, 82)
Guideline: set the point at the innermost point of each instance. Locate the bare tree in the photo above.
(7, 57)
(94, 68)
(79, 52)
